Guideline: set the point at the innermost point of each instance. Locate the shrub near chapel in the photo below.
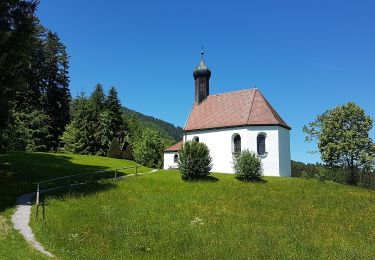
(195, 161)
(247, 166)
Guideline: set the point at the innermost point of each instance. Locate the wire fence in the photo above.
(77, 179)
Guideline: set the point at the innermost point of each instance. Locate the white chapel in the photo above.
(230, 122)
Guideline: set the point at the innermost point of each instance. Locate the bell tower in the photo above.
(202, 76)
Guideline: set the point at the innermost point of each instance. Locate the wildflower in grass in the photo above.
(197, 221)
(72, 237)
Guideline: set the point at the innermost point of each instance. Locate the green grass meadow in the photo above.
(159, 216)
(18, 174)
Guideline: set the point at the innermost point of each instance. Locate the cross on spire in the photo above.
(202, 53)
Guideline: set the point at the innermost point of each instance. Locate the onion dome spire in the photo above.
(202, 70)
(202, 76)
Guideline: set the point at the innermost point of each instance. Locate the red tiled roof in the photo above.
(174, 148)
(238, 108)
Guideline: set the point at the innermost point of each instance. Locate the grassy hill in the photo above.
(159, 216)
(18, 174)
(166, 130)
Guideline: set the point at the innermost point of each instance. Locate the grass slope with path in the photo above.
(18, 174)
(160, 216)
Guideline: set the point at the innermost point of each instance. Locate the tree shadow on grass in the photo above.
(257, 180)
(204, 179)
(80, 189)
(72, 191)
(19, 171)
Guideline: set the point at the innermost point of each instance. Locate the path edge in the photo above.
(21, 217)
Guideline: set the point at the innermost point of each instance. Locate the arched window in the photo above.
(237, 143)
(261, 144)
(196, 139)
(175, 158)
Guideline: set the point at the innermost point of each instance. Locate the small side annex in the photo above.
(171, 156)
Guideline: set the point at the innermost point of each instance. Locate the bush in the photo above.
(195, 161)
(305, 175)
(114, 150)
(247, 166)
(128, 152)
(309, 168)
(321, 175)
(367, 180)
(148, 150)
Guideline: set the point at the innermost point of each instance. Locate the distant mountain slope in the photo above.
(167, 130)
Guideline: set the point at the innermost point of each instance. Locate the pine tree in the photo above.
(27, 96)
(29, 131)
(114, 108)
(79, 134)
(89, 130)
(98, 99)
(17, 23)
(104, 133)
(34, 76)
(57, 94)
(118, 124)
(114, 150)
(97, 121)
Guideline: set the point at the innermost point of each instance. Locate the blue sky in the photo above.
(305, 56)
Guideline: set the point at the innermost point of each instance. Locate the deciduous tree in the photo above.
(343, 138)
(148, 149)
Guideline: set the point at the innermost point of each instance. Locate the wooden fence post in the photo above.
(115, 174)
(37, 200)
(136, 170)
(44, 212)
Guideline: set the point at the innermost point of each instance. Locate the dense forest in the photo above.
(34, 93)
(37, 112)
(324, 172)
(165, 129)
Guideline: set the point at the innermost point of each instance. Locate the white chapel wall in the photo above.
(270, 160)
(219, 141)
(284, 151)
(169, 160)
